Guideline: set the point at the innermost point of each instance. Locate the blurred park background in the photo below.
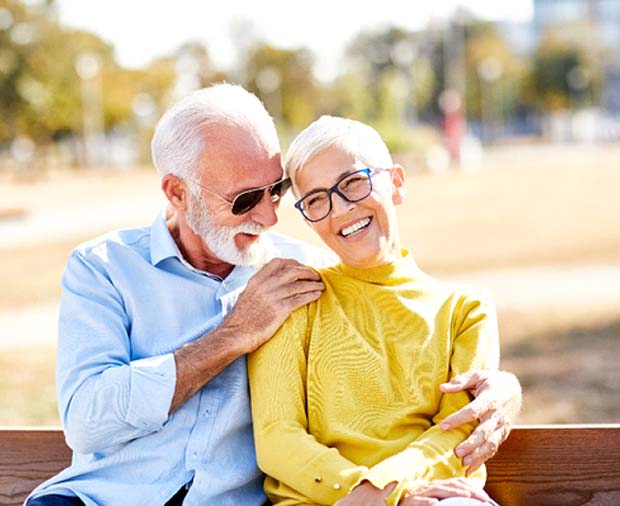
(508, 126)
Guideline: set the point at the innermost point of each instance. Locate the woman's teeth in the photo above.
(346, 232)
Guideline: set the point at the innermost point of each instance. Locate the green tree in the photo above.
(566, 72)
(397, 75)
(40, 93)
(284, 80)
(495, 74)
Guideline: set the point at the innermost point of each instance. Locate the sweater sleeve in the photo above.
(298, 466)
(475, 345)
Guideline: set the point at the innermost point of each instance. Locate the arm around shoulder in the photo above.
(474, 343)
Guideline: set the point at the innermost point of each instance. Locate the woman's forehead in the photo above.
(331, 163)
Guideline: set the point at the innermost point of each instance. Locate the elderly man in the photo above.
(155, 324)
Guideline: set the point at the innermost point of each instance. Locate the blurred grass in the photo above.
(502, 218)
(31, 274)
(520, 211)
(27, 387)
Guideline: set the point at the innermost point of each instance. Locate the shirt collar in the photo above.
(162, 243)
(163, 247)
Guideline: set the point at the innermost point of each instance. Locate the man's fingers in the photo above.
(480, 435)
(299, 287)
(279, 280)
(285, 270)
(481, 454)
(466, 414)
(280, 287)
(461, 382)
(301, 299)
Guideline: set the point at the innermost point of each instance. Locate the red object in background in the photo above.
(454, 123)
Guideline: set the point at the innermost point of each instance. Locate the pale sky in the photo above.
(141, 30)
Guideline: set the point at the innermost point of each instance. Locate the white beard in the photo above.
(221, 240)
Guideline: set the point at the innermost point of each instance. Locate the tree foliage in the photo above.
(565, 72)
(391, 77)
(284, 80)
(392, 65)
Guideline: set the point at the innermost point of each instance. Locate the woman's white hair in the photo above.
(359, 140)
(178, 141)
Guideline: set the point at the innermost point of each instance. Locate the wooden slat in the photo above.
(557, 466)
(27, 458)
(537, 466)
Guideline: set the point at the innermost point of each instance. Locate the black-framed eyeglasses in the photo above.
(353, 187)
(249, 199)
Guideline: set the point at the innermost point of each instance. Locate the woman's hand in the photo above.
(431, 493)
(366, 494)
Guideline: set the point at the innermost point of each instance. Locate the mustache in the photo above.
(248, 228)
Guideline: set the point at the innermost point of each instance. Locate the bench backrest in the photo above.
(557, 466)
(537, 466)
(27, 458)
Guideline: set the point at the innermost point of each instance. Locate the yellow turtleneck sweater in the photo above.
(348, 388)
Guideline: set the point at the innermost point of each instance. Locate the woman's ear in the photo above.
(398, 184)
(176, 191)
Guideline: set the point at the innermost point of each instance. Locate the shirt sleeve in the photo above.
(104, 397)
(475, 345)
(298, 466)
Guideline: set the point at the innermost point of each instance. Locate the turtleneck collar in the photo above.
(401, 270)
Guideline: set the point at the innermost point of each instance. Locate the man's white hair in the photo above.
(178, 141)
(359, 140)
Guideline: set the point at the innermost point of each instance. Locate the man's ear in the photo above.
(176, 191)
(398, 184)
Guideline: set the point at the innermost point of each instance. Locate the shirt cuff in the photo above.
(152, 384)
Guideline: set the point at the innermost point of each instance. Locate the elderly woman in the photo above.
(345, 398)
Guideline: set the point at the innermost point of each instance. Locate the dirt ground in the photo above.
(540, 227)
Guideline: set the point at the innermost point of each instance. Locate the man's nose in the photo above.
(265, 211)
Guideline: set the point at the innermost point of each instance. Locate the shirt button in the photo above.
(336, 486)
(318, 479)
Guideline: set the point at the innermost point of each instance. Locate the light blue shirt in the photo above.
(129, 300)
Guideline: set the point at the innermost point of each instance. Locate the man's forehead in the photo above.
(236, 138)
(235, 159)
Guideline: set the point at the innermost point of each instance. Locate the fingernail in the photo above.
(467, 460)
(459, 452)
(444, 426)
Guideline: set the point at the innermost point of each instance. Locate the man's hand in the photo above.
(366, 494)
(431, 493)
(496, 405)
(276, 290)
(271, 295)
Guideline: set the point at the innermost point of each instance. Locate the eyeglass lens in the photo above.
(353, 188)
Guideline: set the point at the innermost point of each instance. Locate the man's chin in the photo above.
(255, 255)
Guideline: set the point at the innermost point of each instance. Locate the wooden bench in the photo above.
(538, 466)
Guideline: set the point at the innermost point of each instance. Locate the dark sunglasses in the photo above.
(249, 199)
